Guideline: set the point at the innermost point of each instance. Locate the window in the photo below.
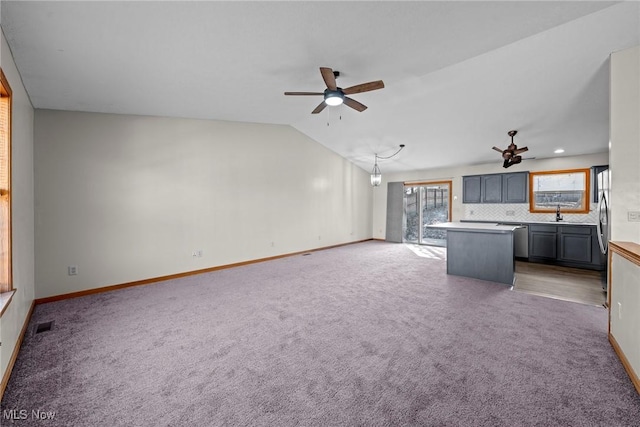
(564, 189)
(6, 282)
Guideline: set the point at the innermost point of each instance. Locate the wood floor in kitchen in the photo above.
(570, 284)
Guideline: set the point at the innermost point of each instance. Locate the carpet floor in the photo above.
(369, 334)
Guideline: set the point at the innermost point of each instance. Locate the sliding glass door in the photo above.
(426, 204)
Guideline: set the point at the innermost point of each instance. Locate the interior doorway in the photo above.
(426, 203)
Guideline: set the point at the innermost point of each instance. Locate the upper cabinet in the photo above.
(496, 188)
(491, 188)
(471, 189)
(515, 187)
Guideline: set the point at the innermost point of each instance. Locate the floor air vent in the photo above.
(43, 327)
(307, 254)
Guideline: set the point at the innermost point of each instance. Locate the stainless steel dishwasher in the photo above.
(521, 241)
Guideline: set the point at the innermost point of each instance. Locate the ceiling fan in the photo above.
(511, 154)
(334, 95)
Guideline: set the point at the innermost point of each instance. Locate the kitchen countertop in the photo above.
(477, 227)
(592, 224)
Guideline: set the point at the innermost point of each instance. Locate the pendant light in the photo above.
(376, 174)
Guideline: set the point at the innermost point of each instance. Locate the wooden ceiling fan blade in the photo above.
(354, 104)
(521, 150)
(499, 150)
(364, 87)
(319, 108)
(304, 93)
(329, 78)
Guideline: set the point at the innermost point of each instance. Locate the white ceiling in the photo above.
(458, 75)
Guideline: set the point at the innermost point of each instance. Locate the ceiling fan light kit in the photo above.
(334, 95)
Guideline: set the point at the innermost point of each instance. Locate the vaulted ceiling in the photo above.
(458, 75)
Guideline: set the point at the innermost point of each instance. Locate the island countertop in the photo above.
(490, 227)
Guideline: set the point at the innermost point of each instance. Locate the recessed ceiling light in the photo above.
(559, 151)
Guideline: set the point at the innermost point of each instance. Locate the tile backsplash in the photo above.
(514, 212)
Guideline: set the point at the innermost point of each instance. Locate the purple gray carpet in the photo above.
(367, 334)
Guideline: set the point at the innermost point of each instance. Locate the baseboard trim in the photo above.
(16, 350)
(180, 275)
(625, 363)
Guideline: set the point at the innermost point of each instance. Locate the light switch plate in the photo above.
(633, 216)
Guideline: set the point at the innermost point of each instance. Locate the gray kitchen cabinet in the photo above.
(565, 244)
(491, 188)
(471, 189)
(496, 188)
(515, 187)
(543, 242)
(575, 243)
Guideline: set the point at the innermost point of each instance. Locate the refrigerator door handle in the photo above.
(599, 224)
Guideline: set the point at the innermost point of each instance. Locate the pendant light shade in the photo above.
(376, 175)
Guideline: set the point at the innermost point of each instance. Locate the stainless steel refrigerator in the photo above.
(604, 217)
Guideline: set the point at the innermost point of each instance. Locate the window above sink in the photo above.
(566, 189)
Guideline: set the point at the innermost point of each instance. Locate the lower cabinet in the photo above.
(567, 245)
(543, 242)
(575, 244)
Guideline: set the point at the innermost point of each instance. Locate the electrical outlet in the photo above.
(197, 253)
(633, 216)
(470, 212)
(72, 270)
(511, 213)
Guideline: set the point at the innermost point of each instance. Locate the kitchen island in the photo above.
(482, 251)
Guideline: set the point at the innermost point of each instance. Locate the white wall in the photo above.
(22, 210)
(625, 301)
(461, 211)
(128, 198)
(624, 152)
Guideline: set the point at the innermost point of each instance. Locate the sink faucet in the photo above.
(558, 216)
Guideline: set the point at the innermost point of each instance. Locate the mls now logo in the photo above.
(23, 414)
